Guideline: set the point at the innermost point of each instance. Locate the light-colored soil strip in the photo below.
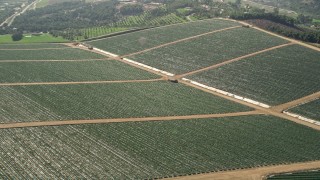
(268, 111)
(228, 94)
(80, 82)
(296, 102)
(302, 118)
(104, 121)
(35, 49)
(234, 60)
(254, 173)
(181, 40)
(74, 60)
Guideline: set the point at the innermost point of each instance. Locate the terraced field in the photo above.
(99, 101)
(307, 175)
(48, 54)
(137, 41)
(207, 50)
(310, 110)
(31, 46)
(20, 72)
(275, 77)
(140, 150)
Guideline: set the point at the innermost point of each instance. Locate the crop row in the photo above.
(18, 72)
(115, 100)
(48, 54)
(273, 78)
(207, 50)
(141, 150)
(30, 46)
(309, 110)
(137, 41)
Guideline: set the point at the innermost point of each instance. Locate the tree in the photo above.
(17, 36)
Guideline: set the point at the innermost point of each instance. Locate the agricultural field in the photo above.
(275, 77)
(48, 54)
(207, 50)
(32, 46)
(108, 70)
(28, 38)
(310, 110)
(158, 149)
(137, 41)
(114, 100)
(310, 175)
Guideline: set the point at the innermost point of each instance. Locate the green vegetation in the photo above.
(316, 20)
(148, 150)
(310, 175)
(208, 50)
(70, 71)
(31, 46)
(275, 77)
(310, 110)
(115, 100)
(29, 38)
(137, 41)
(48, 54)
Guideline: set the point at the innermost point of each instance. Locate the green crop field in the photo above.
(16, 72)
(147, 150)
(208, 50)
(116, 100)
(275, 77)
(31, 46)
(310, 110)
(137, 41)
(48, 54)
(307, 175)
(28, 38)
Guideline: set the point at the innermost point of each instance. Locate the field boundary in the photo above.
(297, 102)
(117, 120)
(79, 82)
(302, 118)
(234, 60)
(180, 40)
(69, 60)
(36, 49)
(255, 173)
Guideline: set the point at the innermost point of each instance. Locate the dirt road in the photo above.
(254, 173)
(296, 102)
(73, 60)
(103, 121)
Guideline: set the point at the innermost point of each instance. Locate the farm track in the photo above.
(296, 102)
(180, 40)
(233, 60)
(104, 121)
(267, 111)
(35, 49)
(80, 82)
(75, 60)
(254, 173)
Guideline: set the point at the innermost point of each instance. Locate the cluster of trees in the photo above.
(66, 15)
(131, 9)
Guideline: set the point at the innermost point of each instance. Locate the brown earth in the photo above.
(254, 173)
(104, 121)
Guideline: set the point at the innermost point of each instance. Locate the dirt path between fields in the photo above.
(254, 173)
(36, 49)
(296, 102)
(180, 40)
(104, 121)
(80, 82)
(232, 60)
(268, 111)
(75, 60)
